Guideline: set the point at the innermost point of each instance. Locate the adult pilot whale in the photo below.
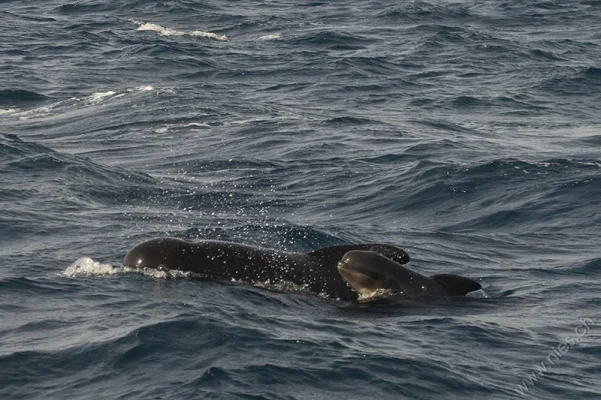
(315, 271)
(374, 276)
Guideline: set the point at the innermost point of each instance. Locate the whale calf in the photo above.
(373, 275)
(315, 271)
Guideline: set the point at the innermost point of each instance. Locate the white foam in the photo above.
(144, 88)
(273, 36)
(20, 113)
(31, 113)
(35, 112)
(198, 124)
(8, 111)
(163, 31)
(209, 35)
(90, 100)
(100, 96)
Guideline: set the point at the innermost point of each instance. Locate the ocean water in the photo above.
(466, 132)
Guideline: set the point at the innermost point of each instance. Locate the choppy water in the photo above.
(466, 132)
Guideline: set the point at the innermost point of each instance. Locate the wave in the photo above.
(19, 97)
(35, 286)
(425, 11)
(333, 40)
(163, 31)
(61, 183)
(573, 81)
(482, 195)
(21, 110)
(592, 72)
(19, 155)
(348, 120)
(586, 268)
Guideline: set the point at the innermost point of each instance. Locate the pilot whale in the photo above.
(220, 260)
(373, 276)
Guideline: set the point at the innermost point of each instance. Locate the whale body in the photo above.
(315, 271)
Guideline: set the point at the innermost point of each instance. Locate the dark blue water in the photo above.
(466, 132)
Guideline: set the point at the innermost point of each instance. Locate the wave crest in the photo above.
(163, 31)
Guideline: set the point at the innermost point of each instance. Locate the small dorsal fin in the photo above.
(456, 285)
(333, 254)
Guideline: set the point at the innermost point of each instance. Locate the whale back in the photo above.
(456, 285)
(331, 255)
(214, 259)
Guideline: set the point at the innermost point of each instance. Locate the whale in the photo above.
(228, 261)
(374, 276)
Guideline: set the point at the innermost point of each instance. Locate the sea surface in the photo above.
(466, 132)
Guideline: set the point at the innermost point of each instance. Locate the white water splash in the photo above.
(280, 286)
(163, 31)
(87, 267)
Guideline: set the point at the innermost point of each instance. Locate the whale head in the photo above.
(155, 253)
(370, 274)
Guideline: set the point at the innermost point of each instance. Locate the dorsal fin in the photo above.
(333, 254)
(456, 285)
